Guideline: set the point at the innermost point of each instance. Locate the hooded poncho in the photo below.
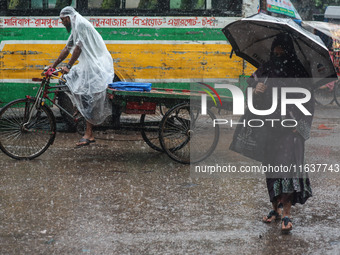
(88, 80)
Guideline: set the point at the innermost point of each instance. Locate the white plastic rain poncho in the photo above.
(88, 80)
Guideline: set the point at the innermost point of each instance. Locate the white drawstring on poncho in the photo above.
(88, 80)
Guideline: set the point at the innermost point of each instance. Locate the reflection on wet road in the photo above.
(121, 197)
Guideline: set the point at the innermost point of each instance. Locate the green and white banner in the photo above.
(284, 7)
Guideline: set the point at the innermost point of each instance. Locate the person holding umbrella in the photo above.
(284, 146)
(285, 55)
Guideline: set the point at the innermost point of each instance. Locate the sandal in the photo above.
(285, 221)
(84, 142)
(271, 214)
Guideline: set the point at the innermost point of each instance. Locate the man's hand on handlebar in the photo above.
(50, 71)
(65, 70)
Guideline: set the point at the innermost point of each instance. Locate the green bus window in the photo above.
(227, 5)
(94, 4)
(18, 4)
(38, 4)
(190, 4)
(60, 4)
(146, 4)
(109, 4)
(104, 4)
(122, 4)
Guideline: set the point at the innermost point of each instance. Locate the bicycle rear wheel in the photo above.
(21, 138)
(323, 96)
(150, 127)
(337, 93)
(188, 136)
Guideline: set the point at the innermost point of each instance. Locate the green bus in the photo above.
(170, 43)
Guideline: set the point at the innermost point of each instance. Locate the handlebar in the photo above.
(48, 73)
(57, 71)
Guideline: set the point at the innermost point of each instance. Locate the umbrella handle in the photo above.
(258, 80)
(265, 80)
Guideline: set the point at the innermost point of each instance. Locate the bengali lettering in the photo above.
(177, 22)
(209, 22)
(108, 22)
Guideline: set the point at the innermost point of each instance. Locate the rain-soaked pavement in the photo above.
(121, 197)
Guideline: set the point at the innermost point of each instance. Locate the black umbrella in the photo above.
(251, 39)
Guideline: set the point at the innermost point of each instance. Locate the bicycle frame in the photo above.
(44, 92)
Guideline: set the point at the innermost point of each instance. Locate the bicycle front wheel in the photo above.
(26, 131)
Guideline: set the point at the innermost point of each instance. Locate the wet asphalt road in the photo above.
(118, 196)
